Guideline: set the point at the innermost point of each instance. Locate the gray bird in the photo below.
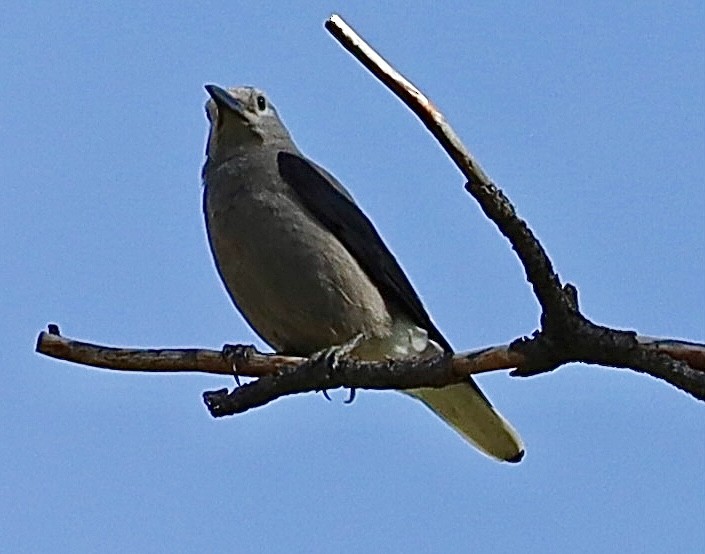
(306, 267)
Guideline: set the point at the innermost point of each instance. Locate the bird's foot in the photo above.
(238, 354)
(331, 357)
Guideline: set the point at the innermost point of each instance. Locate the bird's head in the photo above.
(240, 118)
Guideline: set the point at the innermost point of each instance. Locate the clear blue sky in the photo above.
(592, 119)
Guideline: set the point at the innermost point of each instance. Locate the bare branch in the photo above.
(250, 363)
(322, 372)
(283, 375)
(566, 335)
(539, 270)
(161, 360)
(692, 353)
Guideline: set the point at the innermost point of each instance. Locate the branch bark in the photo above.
(496, 206)
(246, 361)
(279, 376)
(565, 336)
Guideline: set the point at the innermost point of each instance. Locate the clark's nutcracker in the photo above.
(306, 267)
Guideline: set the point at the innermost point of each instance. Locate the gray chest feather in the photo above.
(293, 281)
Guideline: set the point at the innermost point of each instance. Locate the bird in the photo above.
(306, 267)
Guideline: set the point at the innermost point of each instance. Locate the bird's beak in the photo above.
(223, 99)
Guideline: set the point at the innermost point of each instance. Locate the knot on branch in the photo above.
(540, 354)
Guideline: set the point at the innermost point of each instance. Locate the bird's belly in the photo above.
(292, 280)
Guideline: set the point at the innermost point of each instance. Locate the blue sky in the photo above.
(591, 118)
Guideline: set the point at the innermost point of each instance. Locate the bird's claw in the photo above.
(351, 397)
(331, 357)
(238, 353)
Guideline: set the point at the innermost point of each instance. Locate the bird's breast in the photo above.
(293, 281)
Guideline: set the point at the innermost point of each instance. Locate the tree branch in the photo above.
(496, 206)
(156, 360)
(246, 361)
(566, 335)
(283, 375)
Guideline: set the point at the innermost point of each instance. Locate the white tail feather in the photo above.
(466, 409)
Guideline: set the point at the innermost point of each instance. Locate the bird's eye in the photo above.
(261, 103)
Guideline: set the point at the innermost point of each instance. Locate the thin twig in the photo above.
(158, 360)
(540, 274)
(253, 364)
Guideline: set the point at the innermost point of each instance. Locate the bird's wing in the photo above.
(334, 208)
(464, 406)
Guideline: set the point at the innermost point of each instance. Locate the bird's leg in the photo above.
(238, 353)
(331, 357)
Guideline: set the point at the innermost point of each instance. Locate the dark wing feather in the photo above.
(333, 206)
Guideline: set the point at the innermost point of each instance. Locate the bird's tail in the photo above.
(467, 410)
